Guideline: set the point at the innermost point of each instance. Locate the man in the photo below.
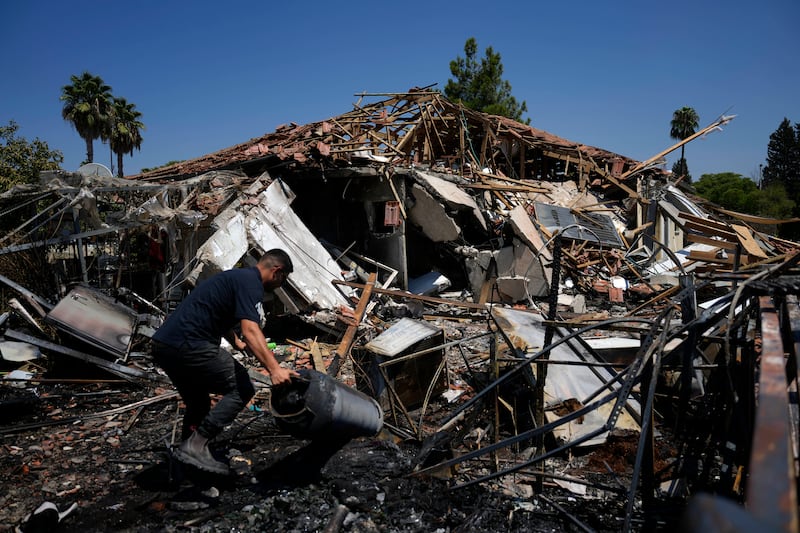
(187, 347)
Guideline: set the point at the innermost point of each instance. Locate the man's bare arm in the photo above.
(257, 344)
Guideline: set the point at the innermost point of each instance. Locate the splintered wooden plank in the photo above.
(748, 242)
(618, 183)
(707, 222)
(350, 334)
(316, 355)
(411, 296)
(702, 239)
(711, 230)
(711, 257)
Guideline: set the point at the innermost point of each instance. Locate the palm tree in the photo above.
(684, 124)
(126, 134)
(86, 106)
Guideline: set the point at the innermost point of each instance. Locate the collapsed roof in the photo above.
(572, 254)
(420, 127)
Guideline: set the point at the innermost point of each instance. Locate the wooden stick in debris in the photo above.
(297, 344)
(350, 334)
(508, 188)
(502, 199)
(132, 420)
(775, 259)
(714, 125)
(752, 219)
(618, 183)
(667, 293)
(486, 290)
(406, 294)
(641, 228)
(66, 421)
(524, 184)
(702, 239)
(316, 357)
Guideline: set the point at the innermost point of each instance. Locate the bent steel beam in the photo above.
(771, 489)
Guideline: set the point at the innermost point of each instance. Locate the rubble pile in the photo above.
(558, 336)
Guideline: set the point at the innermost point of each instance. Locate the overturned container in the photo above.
(317, 405)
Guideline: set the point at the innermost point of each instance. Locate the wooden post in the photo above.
(350, 333)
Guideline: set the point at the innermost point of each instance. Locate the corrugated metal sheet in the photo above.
(592, 227)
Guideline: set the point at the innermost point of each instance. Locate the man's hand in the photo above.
(258, 345)
(282, 376)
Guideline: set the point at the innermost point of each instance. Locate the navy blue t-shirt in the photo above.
(214, 307)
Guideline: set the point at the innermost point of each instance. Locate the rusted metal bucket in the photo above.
(317, 405)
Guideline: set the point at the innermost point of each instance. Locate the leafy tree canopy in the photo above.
(479, 85)
(684, 123)
(774, 202)
(87, 102)
(729, 190)
(738, 193)
(22, 160)
(126, 130)
(97, 114)
(783, 158)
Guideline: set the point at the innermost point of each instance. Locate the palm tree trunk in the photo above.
(119, 165)
(89, 151)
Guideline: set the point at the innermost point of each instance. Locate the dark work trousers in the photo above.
(197, 373)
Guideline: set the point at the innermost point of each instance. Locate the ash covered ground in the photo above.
(125, 481)
(77, 443)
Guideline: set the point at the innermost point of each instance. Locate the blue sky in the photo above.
(207, 75)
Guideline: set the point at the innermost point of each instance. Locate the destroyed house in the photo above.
(616, 300)
(417, 183)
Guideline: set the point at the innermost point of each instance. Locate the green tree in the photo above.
(683, 125)
(775, 203)
(729, 190)
(87, 102)
(126, 131)
(783, 158)
(22, 160)
(680, 168)
(480, 85)
(738, 193)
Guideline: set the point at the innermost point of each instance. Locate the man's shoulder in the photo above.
(248, 276)
(242, 273)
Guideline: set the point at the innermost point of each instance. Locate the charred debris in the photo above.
(540, 317)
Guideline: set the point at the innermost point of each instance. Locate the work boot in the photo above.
(194, 451)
